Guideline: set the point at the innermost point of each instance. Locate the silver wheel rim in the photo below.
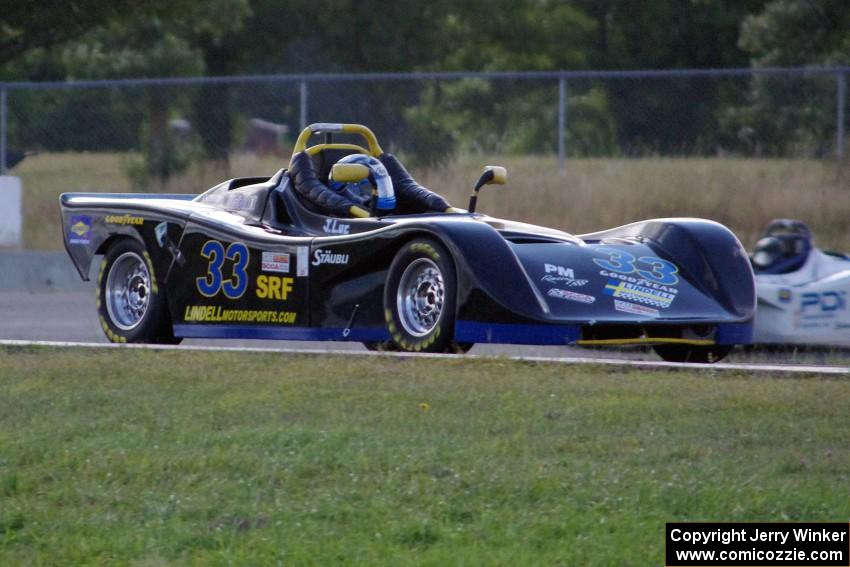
(420, 297)
(128, 288)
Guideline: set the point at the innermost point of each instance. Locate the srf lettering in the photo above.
(274, 287)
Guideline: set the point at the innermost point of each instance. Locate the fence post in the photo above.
(2, 130)
(303, 116)
(562, 123)
(840, 101)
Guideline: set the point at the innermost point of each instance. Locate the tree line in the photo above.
(98, 39)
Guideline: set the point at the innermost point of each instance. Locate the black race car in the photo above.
(300, 256)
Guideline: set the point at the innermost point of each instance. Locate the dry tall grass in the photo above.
(593, 194)
(601, 193)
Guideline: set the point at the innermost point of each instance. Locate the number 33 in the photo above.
(648, 267)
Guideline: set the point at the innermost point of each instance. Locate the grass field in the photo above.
(744, 194)
(147, 458)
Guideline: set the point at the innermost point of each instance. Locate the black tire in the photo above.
(693, 353)
(420, 296)
(387, 346)
(131, 303)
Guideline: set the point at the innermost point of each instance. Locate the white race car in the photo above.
(802, 290)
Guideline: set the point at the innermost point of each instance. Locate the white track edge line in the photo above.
(792, 369)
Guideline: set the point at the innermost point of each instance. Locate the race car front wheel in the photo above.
(692, 353)
(420, 298)
(130, 304)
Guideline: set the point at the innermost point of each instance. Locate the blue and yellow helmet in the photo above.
(361, 192)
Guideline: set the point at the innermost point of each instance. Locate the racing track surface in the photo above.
(71, 317)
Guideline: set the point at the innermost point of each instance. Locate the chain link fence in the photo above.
(430, 117)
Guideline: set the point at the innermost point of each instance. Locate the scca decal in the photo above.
(274, 287)
(214, 280)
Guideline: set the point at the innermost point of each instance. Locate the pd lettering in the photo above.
(825, 302)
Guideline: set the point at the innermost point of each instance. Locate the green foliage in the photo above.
(478, 116)
(98, 39)
(373, 35)
(667, 116)
(25, 27)
(594, 133)
(784, 117)
(798, 32)
(516, 35)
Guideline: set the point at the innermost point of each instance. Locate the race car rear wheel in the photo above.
(420, 298)
(693, 353)
(130, 304)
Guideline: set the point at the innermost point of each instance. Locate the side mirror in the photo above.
(349, 172)
(493, 175)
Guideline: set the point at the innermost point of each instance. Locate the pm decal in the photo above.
(560, 275)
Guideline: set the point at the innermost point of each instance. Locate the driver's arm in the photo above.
(308, 184)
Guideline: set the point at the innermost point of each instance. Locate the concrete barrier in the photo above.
(10, 211)
(39, 272)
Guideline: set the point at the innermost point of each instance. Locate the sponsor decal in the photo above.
(213, 199)
(635, 309)
(274, 287)
(648, 268)
(231, 278)
(561, 275)
(333, 226)
(817, 306)
(641, 282)
(124, 219)
(303, 266)
(275, 262)
(784, 295)
(571, 295)
(217, 314)
(240, 202)
(819, 309)
(79, 229)
(639, 293)
(324, 257)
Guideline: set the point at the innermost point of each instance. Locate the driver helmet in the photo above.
(361, 192)
(784, 247)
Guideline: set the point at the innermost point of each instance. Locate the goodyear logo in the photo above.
(79, 229)
(124, 219)
(639, 293)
